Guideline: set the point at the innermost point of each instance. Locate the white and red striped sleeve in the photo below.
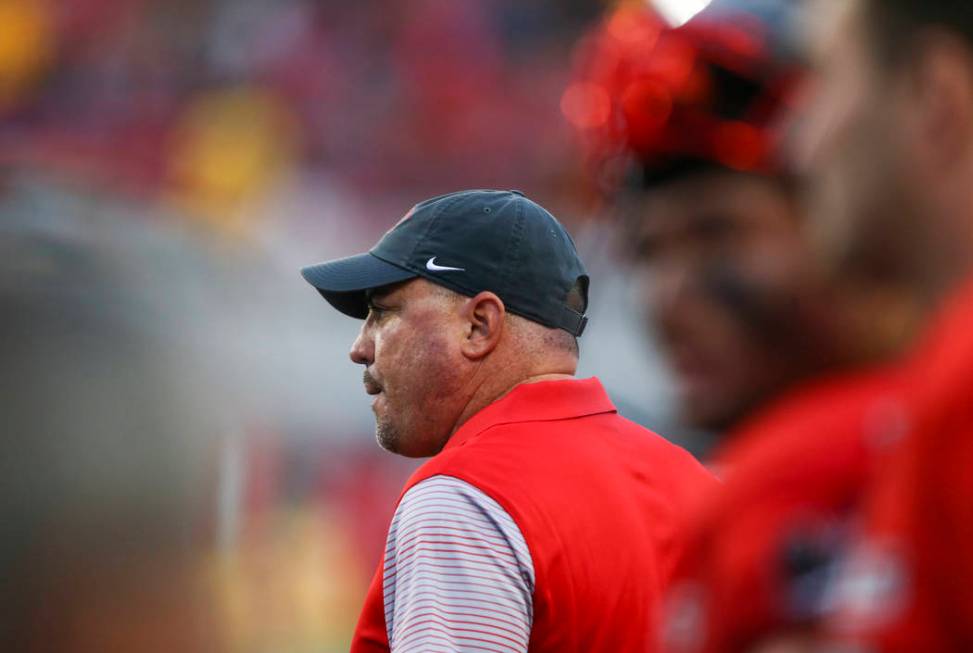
(458, 575)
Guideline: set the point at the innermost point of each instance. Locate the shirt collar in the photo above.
(947, 346)
(538, 402)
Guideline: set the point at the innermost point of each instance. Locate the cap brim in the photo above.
(344, 282)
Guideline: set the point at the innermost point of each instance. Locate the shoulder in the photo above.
(444, 513)
(443, 495)
(443, 501)
(830, 429)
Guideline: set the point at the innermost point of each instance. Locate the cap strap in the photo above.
(572, 322)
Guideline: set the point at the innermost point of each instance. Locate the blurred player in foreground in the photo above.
(889, 143)
(544, 521)
(765, 351)
(107, 423)
(711, 216)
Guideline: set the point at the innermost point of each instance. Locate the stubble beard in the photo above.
(386, 434)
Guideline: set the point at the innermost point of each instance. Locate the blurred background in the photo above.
(188, 459)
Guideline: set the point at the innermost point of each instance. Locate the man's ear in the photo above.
(485, 318)
(943, 88)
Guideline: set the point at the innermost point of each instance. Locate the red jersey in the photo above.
(759, 548)
(599, 501)
(908, 582)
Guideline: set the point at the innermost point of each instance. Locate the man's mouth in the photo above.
(371, 385)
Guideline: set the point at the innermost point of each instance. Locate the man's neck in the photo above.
(947, 257)
(492, 390)
(537, 379)
(945, 275)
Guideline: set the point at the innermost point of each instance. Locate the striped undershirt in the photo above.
(458, 575)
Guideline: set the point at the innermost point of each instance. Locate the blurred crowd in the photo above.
(189, 462)
(209, 103)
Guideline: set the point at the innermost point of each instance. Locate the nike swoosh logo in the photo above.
(432, 267)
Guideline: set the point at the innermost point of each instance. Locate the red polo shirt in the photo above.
(759, 549)
(908, 583)
(599, 501)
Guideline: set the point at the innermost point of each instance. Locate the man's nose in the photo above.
(807, 128)
(363, 349)
(668, 287)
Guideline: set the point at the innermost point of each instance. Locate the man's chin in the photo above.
(387, 437)
(712, 416)
(392, 441)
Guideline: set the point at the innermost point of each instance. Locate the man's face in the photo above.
(855, 153)
(408, 345)
(728, 290)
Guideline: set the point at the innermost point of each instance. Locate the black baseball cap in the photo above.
(469, 241)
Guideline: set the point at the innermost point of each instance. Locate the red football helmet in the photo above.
(710, 91)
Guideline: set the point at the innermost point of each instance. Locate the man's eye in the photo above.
(711, 229)
(646, 248)
(376, 311)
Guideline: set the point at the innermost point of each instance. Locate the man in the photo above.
(762, 348)
(107, 425)
(544, 521)
(889, 142)
(712, 216)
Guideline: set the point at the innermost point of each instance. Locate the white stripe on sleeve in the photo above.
(458, 575)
